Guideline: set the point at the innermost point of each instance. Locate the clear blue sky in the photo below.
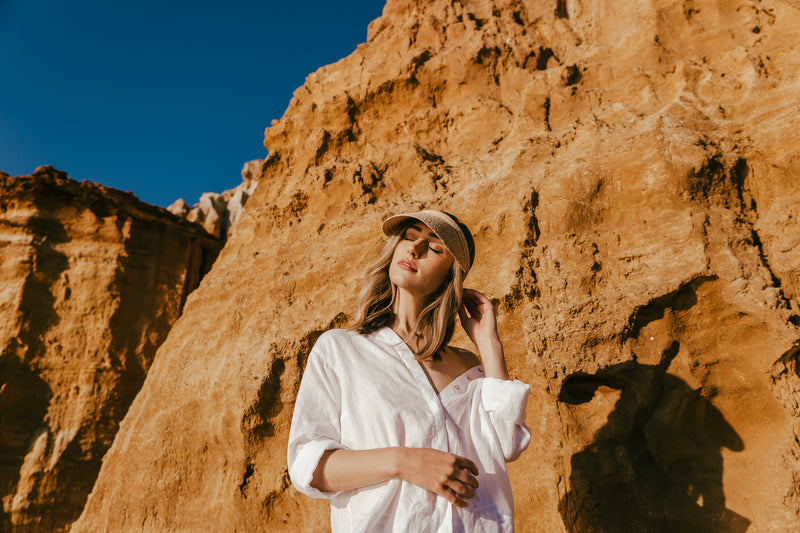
(166, 99)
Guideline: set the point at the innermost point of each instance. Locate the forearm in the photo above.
(447, 475)
(340, 470)
(493, 357)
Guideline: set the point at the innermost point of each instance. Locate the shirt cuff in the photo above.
(306, 462)
(506, 398)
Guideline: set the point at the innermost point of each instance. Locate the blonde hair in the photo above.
(436, 322)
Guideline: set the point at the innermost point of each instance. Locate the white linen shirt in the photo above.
(368, 391)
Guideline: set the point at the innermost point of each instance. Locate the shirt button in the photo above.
(457, 387)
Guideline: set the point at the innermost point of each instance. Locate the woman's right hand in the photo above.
(447, 475)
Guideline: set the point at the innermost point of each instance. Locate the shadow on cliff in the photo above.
(24, 398)
(24, 395)
(656, 465)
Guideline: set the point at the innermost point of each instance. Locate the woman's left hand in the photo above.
(478, 320)
(477, 317)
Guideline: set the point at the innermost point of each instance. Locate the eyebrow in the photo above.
(431, 233)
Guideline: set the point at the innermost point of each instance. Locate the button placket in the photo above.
(433, 400)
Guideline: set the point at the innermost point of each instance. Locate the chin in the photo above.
(400, 282)
(398, 276)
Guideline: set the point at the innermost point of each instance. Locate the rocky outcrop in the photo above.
(92, 280)
(629, 170)
(218, 212)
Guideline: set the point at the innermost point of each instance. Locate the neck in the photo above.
(407, 308)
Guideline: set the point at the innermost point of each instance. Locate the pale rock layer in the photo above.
(218, 212)
(629, 170)
(91, 281)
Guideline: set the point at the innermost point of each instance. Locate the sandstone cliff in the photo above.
(91, 282)
(629, 170)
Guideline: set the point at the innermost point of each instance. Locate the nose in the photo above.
(418, 247)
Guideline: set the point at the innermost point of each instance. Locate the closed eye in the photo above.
(412, 233)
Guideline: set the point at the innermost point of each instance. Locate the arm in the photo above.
(315, 426)
(503, 400)
(444, 474)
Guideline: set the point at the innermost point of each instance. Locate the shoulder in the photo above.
(465, 357)
(338, 351)
(337, 335)
(335, 344)
(326, 351)
(335, 338)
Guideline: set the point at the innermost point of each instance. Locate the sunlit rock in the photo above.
(629, 170)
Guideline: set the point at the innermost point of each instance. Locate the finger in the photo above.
(469, 295)
(466, 477)
(462, 313)
(461, 489)
(475, 300)
(453, 498)
(480, 296)
(463, 462)
(482, 303)
(471, 479)
(473, 307)
(466, 320)
(485, 309)
(475, 295)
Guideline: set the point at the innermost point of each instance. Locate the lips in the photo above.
(407, 265)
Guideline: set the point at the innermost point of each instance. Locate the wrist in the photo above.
(493, 357)
(489, 347)
(397, 459)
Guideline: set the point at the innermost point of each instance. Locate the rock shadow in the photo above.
(25, 394)
(656, 465)
(24, 399)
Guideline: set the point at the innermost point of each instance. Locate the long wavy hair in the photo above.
(436, 322)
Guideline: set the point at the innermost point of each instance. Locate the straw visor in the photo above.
(444, 226)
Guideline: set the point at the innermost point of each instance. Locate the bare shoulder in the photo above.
(465, 357)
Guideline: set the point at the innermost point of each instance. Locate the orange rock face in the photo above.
(629, 170)
(91, 280)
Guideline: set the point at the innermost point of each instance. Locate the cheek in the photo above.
(440, 272)
(395, 271)
(396, 256)
(400, 251)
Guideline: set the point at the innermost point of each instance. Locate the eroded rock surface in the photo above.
(218, 212)
(630, 172)
(91, 282)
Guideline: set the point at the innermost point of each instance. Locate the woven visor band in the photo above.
(444, 226)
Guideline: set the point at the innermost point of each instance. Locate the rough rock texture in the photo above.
(218, 212)
(629, 169)
(91, 282)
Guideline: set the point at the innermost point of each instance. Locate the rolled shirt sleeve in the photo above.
(315, 423)
(505, 402)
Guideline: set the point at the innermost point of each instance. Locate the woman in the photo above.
(399, 430)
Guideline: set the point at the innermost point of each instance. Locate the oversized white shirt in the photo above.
(368, 391)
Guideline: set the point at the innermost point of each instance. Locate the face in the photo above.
(420, 262)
